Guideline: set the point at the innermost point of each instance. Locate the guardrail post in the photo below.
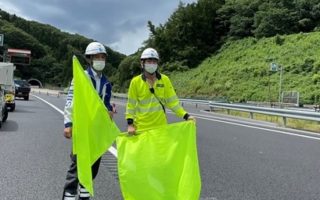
(196, 105)
(251, 115)
(284, 121)
(228, 111)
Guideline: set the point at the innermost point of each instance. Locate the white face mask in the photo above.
(99, 64)
(150, 68)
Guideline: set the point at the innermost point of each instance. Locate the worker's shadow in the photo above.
(9, 126)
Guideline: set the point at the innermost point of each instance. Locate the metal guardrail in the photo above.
(280, 112)
(284, 113)
(195, 101)
(119, 95)
(190, 101)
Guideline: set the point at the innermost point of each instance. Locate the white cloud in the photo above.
(13, 8)
(120, 24)
(9, 7)
(130, 41)
(49, 11)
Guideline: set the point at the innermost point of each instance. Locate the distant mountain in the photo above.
(52, 49)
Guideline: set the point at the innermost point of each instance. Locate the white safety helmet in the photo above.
(149, 53)
(95, 48)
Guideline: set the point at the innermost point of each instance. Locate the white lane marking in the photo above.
(112, 150)
(50, 104)
(259, 128)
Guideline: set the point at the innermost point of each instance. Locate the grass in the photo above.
(240, 70)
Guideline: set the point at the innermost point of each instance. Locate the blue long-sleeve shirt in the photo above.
(102, 86)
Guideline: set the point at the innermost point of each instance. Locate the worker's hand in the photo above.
(114, 110)
(67, 132)
(192, 118)
(131, 129)
(111, 114)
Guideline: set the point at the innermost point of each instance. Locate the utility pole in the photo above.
(1, 47)
(274, 67)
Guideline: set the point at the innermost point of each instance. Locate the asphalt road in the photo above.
(238, 159)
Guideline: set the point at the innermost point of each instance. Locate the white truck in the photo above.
(7, 84)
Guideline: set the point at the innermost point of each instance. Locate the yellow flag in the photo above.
(93, 130)
(160, 164)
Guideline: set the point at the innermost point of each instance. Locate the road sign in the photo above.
(1, 40)
(19, 56)
(273, 67)
(291, 97)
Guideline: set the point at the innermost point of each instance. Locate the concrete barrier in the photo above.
(50, 92)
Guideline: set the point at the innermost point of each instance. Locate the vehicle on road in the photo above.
(9, 96)
(22, 89)
(7, 84)
(3, 108)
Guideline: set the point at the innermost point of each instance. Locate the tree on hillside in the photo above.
(17, 38)
(308, 12)
(243, 18)
(128, 68)
(237, 17)
(272, 21)
(189, 34)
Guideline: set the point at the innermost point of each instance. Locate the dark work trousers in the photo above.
(72, 181)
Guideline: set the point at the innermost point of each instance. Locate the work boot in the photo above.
(84, 194)
(68, 196)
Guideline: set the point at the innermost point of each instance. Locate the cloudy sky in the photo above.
(119, 24)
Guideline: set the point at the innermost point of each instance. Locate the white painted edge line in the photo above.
(254, 127)
(240, 123)
(50, 104)
(112, 150)
(254, 123)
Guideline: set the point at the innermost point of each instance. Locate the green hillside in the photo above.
(240, 70)
(235, 32)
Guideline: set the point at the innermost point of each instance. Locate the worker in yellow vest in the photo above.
(149, 95)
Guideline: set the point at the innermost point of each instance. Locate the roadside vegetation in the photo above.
(240, 71)
(291, 123)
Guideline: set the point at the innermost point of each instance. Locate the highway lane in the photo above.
(34, 156)
(237, 161)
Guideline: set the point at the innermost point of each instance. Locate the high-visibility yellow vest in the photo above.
(144, 107)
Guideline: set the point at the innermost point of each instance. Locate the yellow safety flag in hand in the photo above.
(160, 164)
(93, 129)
